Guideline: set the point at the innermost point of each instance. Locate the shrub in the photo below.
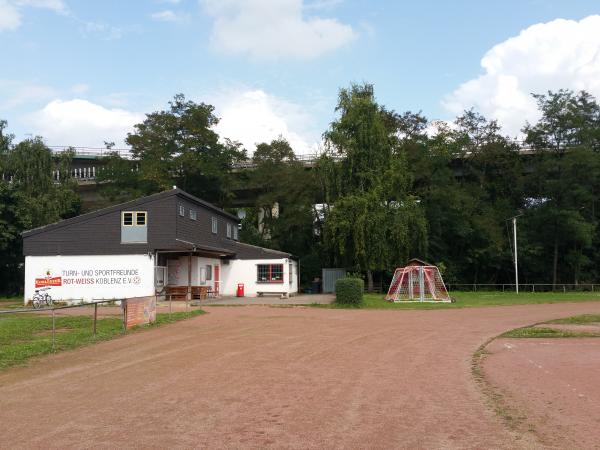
(349, 291)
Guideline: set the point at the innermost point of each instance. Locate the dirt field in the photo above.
(553, 384)
(258, 377)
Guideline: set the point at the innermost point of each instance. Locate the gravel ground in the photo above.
(553, 384)
(258, 377)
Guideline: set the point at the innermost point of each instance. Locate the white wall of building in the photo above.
(90, 277)
(245, 271)
(177, 269)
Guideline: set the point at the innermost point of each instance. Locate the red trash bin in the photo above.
(240, 290)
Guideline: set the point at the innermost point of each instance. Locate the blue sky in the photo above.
(81, 72)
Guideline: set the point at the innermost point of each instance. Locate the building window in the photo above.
(134, 227)
(291, 272)
(208, 272)
(127, 219)
(269, 273)
(235, 233)
(182, 210)
(134, 218)
(229, 230)
(193, 215)
(214, 225)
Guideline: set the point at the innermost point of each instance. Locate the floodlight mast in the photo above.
(516, 260)
(514, 221)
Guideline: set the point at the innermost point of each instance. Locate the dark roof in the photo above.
(129, 205)
(247, 251)
(419, 261)
(236, 249)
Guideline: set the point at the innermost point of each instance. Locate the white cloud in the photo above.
(55, 5)
(273, 29)
(10, 18)
(253, 116)
(546, 56)
(82, 123)
(17, 93)
(168, 16)
(10, 11)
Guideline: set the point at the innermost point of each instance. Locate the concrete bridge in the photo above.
(88, 162)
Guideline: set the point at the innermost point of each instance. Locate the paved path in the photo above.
(258, 377)
(302, 299)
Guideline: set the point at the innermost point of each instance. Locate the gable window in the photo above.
(127, 219)
(193, 215)
(134, 227)
(269, 273)
(182, 210)
(235, 233)
(214, 225)
(229, 230)
(140, 219)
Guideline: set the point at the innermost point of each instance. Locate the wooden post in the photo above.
(53, 331)
(189, 285)
(95, 317)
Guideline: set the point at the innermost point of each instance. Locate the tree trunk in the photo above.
(555, 263)
(369, 281)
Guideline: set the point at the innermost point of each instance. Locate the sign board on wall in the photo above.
(90, 277)
(139, 311)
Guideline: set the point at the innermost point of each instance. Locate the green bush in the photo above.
(349, 291)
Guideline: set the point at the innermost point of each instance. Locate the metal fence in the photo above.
(525, 287)
(55, 311)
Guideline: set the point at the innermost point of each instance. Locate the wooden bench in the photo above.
(281, 294)
(180, 292)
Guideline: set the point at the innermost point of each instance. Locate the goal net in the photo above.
(417, 284)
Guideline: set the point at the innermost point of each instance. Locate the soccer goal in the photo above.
(417, 284)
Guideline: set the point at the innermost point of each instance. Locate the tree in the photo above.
(565, 183)
(31, 195)
(177, 146)
(372, 222)
(283, 217)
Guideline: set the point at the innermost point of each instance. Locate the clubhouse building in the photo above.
(171, 242)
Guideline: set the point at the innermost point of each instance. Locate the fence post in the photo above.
(95, 317)
(53, 331)
(124, 305)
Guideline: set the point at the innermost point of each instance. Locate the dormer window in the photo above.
(134, 227)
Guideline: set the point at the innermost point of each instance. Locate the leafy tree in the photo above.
(283, 216)
(372, 222)
(565, 182)
(30, 196)
(177, 146)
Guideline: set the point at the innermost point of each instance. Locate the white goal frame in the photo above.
(414, 284)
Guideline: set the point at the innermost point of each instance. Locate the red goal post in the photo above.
(417, 284)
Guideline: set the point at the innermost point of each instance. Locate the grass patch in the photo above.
(541, 332)
(24, 336)
(475, 299)
(578, 320)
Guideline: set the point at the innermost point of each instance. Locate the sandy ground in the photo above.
(257, 377)
(164, 307)
(554, 384)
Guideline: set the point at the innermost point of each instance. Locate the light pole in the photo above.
(514, 221)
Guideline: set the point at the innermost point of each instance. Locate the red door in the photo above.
(217, 270)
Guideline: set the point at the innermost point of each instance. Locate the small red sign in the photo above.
(48, 281)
